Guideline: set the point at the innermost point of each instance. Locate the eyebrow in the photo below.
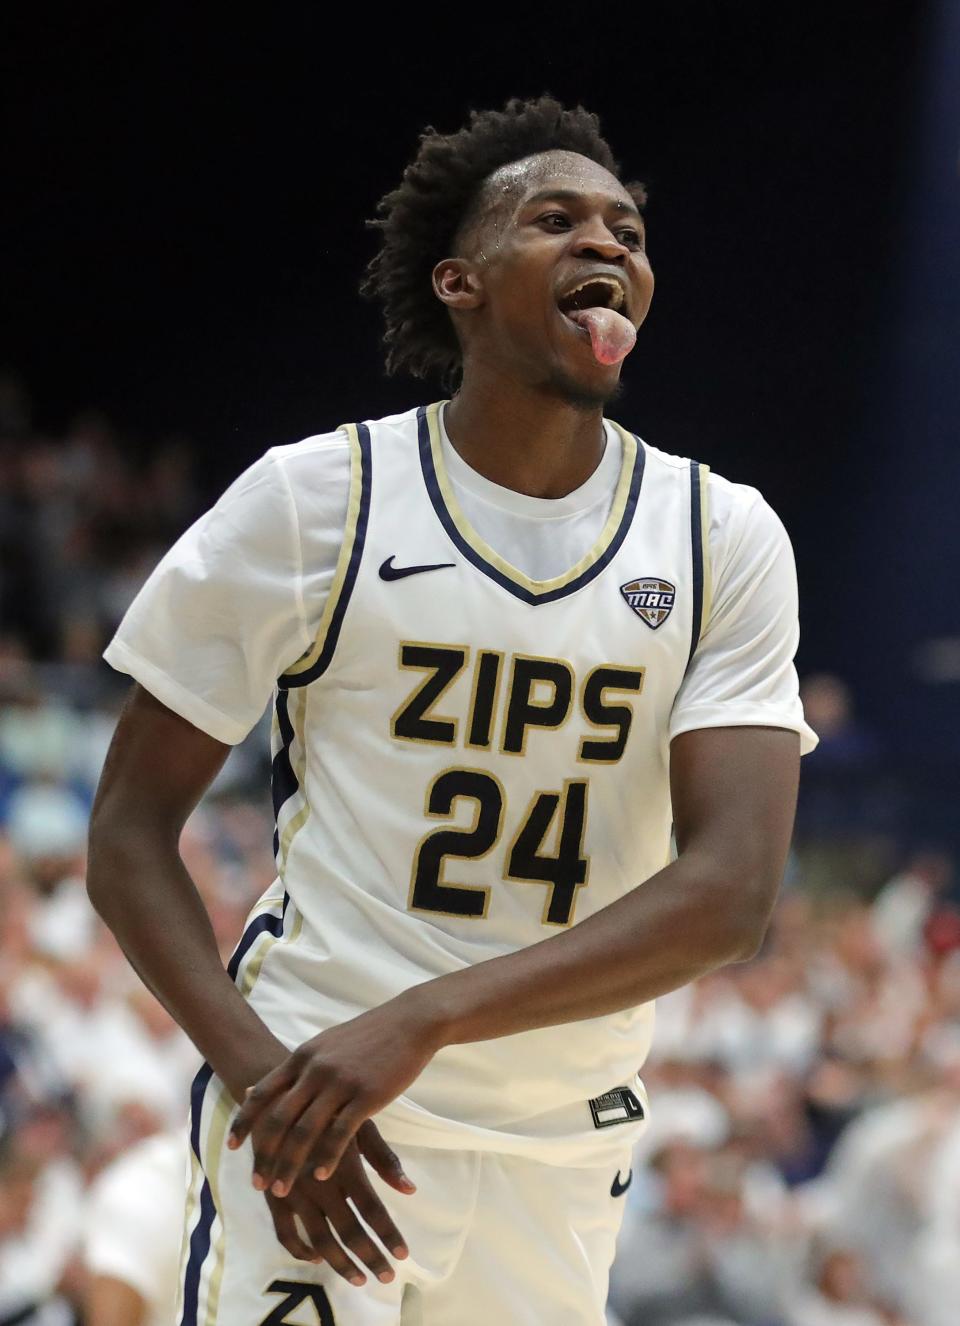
(573, 196)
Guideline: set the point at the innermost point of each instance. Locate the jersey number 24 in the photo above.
(563, 871)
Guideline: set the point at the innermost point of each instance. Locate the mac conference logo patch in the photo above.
(651, 599)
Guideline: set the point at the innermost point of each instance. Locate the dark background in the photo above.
(184, 236)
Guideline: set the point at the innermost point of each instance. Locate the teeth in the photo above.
(613, 286)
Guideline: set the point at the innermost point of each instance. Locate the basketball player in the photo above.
(508, 643)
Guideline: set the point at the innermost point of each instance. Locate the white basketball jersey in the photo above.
(468, 761)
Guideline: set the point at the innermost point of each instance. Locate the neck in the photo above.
(522, 437)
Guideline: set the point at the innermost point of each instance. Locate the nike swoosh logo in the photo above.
(390, 572)
(617, 1189)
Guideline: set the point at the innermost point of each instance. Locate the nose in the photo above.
(594, 240)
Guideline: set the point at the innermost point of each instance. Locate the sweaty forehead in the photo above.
(505, 190)
(567, 170)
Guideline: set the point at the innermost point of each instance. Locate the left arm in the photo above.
(113, 1302)
(734, 794)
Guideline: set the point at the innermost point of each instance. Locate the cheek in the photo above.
(646, 285)
(519, 314)
(518, 293)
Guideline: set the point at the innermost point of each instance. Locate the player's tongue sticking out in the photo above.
(612, 336)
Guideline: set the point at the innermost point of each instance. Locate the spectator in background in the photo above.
(873, 1188)
(47, 828)
(81, 526)
(850, 812)
(908, 902)
(839, 1297)
(40, 1212)
(934, 1289)
(845, 742)
(696, 1251)
(40, 734)
(133, 1219)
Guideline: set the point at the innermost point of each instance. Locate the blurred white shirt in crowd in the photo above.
(134, 1218)
(815, 1310)
(721, 1026)
(34, 1258)
(875, 1182)
(105, 1052)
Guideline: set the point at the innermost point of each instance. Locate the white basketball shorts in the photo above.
(493, 1238)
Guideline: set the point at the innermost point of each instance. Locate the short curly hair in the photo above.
(419, 220)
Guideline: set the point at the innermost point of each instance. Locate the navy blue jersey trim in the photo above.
(336, 621)
(199, 1248)
(197, 1092)
(200, 1238)
(481, 563)
(283, 781)
(696, 550)
(266, 921)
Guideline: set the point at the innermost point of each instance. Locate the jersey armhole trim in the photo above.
(297, 551)
(700, 553)
(320, 655)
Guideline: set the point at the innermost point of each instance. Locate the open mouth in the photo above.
(594, 292)
(596, 310)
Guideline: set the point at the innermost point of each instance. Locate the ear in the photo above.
(458, 284)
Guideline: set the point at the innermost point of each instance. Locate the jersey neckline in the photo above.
(599, 487)
(486, 559)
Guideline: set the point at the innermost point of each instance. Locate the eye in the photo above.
(556, 216)
(630, 236)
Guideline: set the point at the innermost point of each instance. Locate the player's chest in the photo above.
(449, 657)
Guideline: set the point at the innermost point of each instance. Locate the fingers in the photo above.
(327, 1249)
(323, 1247)
(278, 1124)
(384, 1161)
(331, 1222)
(257, 1100)
(292, 1114)
(284, 1139)
(376, 1215)
(288, 1234)
(283, 1145)
(335, 1138)
(355, 1238)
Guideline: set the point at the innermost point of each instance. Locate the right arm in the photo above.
(205, 639)
(218, 621)
(158, 767)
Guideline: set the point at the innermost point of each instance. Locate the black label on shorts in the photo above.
(613, 1107)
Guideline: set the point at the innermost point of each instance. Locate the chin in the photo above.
(581, 395)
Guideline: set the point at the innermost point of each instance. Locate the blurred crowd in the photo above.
(802, 1163)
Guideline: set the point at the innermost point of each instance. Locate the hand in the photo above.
(323, 1208)
(311, 1105)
